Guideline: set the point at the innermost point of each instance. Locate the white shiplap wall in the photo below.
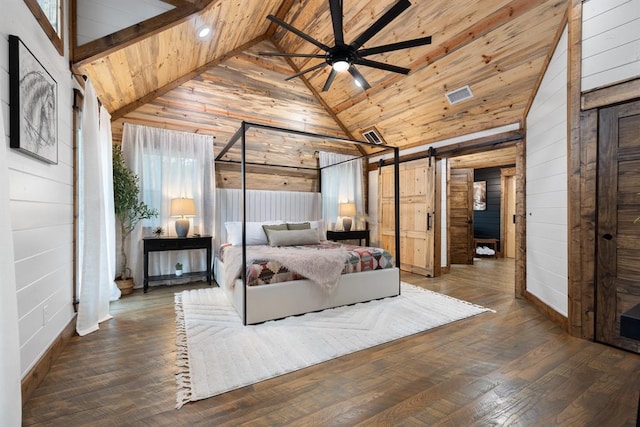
(98, 18)
(264, 206)
(41, 200)
(610, 42)
(546, 186)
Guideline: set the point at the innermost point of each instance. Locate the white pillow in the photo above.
(307, 236)
(255, 233)
(319, 225)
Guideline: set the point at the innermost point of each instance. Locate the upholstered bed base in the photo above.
(278, 300)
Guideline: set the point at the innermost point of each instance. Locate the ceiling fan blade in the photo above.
(395, 46)
(382, 22)
(294, 55)
(297, 32)
(362, 82)
(327, 84)
(381, 66)
(336, 18)
(315, 67)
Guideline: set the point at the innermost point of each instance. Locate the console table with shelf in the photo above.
(159, 244)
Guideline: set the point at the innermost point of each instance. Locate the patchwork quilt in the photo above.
(264, 271)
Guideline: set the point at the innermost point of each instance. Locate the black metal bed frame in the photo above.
(240, 135)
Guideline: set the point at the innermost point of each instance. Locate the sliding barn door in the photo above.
(417, 215)
(508, 209)
(461, 216)
(618, 235)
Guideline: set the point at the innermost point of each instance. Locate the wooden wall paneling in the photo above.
(521, 220)
(580, 204)
(583, 250)
(267, 178)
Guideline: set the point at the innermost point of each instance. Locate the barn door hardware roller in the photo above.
(431, 152)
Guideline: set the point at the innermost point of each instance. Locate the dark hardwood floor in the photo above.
(513, 367)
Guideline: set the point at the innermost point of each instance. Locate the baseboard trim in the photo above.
(550, 313)
(34, 377)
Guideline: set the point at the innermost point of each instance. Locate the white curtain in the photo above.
(10, 394)
(341, 183)
(170, 165)
(96, 219)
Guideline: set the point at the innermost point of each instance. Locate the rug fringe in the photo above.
(183, 375)
(449, 297)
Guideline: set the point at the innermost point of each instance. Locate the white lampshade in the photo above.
(182, 207)
(347, 209)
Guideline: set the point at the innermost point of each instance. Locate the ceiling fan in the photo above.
(344, 57)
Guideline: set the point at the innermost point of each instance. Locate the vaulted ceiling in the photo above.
(160, 73)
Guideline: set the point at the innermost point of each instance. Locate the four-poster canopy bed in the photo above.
(304, 272)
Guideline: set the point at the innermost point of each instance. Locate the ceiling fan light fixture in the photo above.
(341, 65)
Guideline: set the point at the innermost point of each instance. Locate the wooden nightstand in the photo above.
(349, 235)
(157, 244)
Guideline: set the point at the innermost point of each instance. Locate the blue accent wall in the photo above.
(486, 224)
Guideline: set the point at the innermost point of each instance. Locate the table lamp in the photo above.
(181, 208)
(347, 210)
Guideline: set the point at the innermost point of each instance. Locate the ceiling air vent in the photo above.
(373, 136)
(459, 95)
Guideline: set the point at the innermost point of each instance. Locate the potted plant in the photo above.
(129, 211)
(178, 269)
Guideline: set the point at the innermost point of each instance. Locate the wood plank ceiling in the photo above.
(160, 74)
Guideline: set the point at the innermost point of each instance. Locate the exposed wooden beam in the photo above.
(441, 49)
(183, 79)
(284, 8)
(101, 47)
(502, 140)
(618, 92)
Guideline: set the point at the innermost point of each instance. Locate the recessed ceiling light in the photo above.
(204, 31)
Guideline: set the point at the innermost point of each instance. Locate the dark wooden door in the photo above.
(618, 236)
(461, 216)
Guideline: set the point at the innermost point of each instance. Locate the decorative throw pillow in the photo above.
(255, 233)
(293, 237)
(267, 227)
(298, 225)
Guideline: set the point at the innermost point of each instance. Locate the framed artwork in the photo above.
(480, 196)
(33, 100)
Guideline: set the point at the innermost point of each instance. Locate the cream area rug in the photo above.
(216, 353)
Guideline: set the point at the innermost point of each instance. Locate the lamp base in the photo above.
(182, 227)
(346, 224)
